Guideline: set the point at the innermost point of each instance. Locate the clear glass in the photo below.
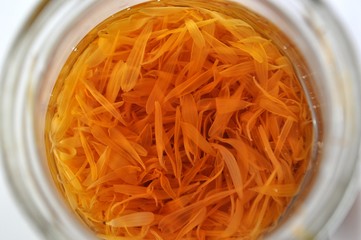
(332, 80)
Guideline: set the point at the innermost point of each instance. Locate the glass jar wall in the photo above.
(327, 70)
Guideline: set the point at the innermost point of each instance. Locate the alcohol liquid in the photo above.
(179, 120)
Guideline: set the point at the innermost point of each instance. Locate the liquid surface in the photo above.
(178, 122)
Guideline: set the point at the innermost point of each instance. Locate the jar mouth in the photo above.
(340, 138)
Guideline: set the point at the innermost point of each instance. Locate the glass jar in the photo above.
(331, 80)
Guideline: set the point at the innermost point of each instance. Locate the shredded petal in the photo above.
(132, 220)
(233, 168)
(131, 68)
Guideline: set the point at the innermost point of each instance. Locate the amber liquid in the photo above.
(179, 120)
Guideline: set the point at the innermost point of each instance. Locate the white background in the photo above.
(14, 225)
